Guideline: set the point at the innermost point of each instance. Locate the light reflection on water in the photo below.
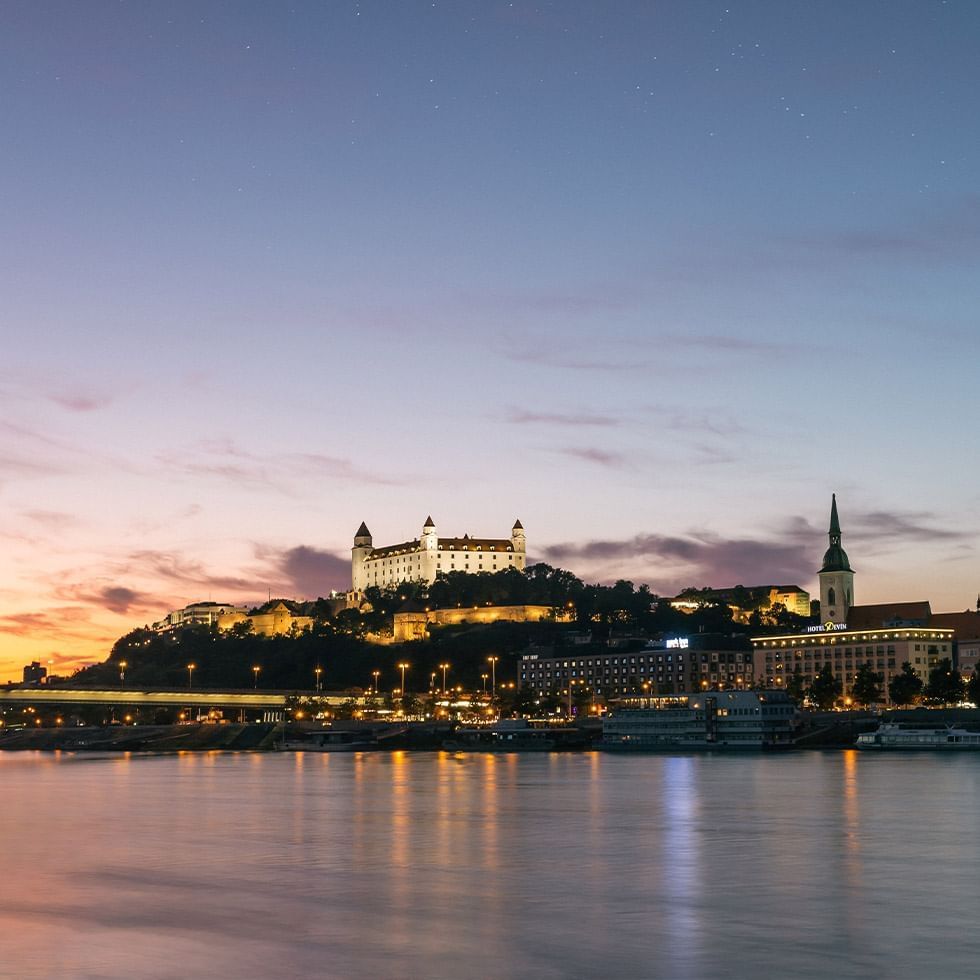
(441, 865)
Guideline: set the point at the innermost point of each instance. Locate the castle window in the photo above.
(831, 597)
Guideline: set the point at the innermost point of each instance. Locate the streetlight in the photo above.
(444, 668)
(190, 675)
(318, 671)
(571, 681)
(432, 683)
(122, 671)
(403, 667)
(484, 677)
(375, 674)
(255, 676)
(493, 675)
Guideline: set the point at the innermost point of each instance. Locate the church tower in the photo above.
(836, 575)
(363, 546)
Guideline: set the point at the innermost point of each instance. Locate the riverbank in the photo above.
(261, 737)
(821, 730)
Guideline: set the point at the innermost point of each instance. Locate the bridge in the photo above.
(150, 698)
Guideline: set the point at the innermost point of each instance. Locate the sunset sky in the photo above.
(655, 277)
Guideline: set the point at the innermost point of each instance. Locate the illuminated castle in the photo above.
(422, 559)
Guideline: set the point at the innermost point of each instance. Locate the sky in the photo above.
(656, 278)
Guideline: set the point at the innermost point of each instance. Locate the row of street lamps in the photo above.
(376, 674)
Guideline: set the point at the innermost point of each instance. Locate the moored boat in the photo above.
(515, 736)
(895, 736)
(709, 720)
(328, 741)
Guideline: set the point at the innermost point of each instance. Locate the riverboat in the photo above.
(710, 720)
(895, 736)
(515, 736)
(330, 741)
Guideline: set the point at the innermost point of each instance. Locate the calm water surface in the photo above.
(439, 865)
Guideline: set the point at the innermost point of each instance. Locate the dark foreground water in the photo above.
(438, 865)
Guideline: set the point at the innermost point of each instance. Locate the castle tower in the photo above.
(517, 538)
(836, 575)
(429, 546)
(363, 546)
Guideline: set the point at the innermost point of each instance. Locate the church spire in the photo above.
(834, 522)
(835, 559)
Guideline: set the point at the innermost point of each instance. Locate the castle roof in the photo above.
(465, 543)
(362, 531)
(429, 522)
(518, 526)
(406, 547)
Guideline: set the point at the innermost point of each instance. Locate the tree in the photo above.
(796, 686)
(825, 689)
(973, 687)
(906, 686)
(867, 685)
(945, 684)
(526, 701)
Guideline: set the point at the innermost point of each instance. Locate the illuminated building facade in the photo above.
(661, 670)
(277, 620)
(197, 614)
(759, 598)
(413, 624)
(885, 649)
(425, 557)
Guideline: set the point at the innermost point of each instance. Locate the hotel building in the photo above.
(885, 649)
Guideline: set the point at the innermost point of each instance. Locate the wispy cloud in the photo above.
(545, 357)
(51, 519)
(716, 421)
(601, 457)
(952, 233)
(56, 625)
(892, 526)
(76, 401)
(604, 298)
(722, 343)
(173, 568)
(225, 460)
(519, 416)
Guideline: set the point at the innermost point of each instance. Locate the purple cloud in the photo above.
(313, 572)
(710, 559)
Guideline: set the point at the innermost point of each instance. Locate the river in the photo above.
(432, 865)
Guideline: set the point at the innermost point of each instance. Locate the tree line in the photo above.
(945, 686)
